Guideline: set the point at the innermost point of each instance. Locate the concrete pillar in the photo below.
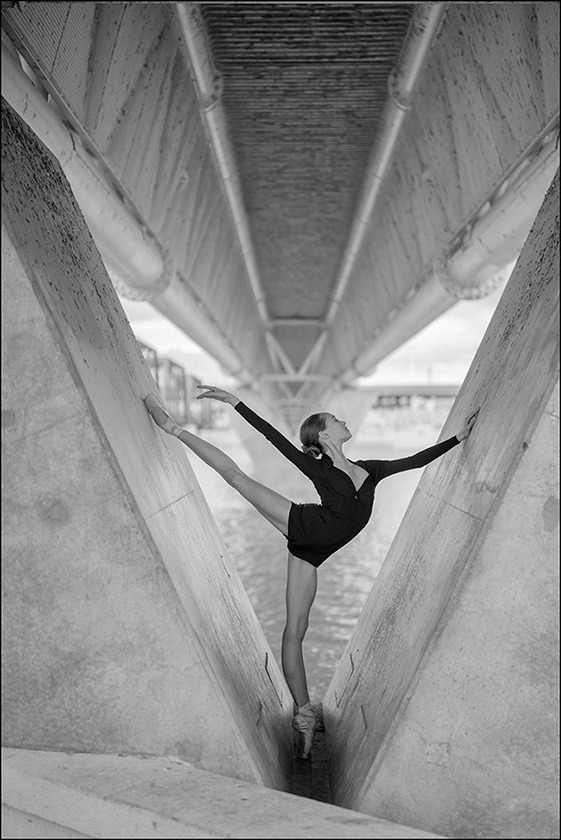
(443, 711)
(126, 628)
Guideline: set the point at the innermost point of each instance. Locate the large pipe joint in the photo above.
(212, 97)
(495, 235)
(395, 92)
(485, 284)
(142, 291)
(131, 255)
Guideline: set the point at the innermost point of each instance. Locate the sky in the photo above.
(440, 354)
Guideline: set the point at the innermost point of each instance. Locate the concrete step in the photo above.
(52, 794)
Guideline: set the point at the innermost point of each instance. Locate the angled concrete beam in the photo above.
(296, 322)
(278, 352)
(295, 377)
(126, 626)
(443, 712)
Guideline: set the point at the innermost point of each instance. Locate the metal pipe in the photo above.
(117, 234)
(135, 265)
(477, 267)
(207, 83)
(429, 302)
(277, 352)
(178, 306)
(425, 24)
(502, 225)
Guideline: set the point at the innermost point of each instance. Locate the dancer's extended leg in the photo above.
(274, 507)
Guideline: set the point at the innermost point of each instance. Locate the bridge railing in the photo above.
(178, 390)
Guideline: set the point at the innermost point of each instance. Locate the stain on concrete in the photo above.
(438, 753)
(364, 717)
(8, 418)
(550, 513)
(188, 751)
(53, 510)
(105, 634)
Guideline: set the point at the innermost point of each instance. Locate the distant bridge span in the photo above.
(438, 391)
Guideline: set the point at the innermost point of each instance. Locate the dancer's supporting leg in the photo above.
(274, 507)
(301, 587)
(302, 577)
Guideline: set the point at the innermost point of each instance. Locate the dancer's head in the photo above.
(309, 434)
(317, 430)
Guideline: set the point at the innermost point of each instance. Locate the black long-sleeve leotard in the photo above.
(315, 531)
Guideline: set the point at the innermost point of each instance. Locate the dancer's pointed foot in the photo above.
(305, 725)
(160, 416)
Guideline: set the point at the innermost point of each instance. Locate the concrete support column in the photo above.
(443, 711)
(126, 627)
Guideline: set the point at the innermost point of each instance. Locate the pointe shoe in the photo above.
(159, 415)
(305, 726)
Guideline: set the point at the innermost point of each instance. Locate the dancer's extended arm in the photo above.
(382, 469)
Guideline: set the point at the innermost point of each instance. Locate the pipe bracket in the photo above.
(214, 97)
(157, 287)
(400, 102)
(459, 291)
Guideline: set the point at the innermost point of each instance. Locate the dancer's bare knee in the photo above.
(295, 632)
(234, 477)
(271, 505)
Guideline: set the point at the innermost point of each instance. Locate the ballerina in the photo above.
(313, 531)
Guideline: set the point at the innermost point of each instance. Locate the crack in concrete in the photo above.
(175, 501)
(455, 507)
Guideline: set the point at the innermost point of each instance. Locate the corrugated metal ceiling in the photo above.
(304, 88)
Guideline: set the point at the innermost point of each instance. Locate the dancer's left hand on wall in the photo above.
(468, 427)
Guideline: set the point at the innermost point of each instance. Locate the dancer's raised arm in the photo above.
(300, 460)
(219, 394)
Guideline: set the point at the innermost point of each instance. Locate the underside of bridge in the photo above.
(300, 187)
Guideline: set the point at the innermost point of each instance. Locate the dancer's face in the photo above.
(336, 429)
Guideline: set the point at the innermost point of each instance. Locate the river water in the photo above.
(259, 551)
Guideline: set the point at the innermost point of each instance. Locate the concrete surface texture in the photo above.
(443, 712)
(126, 628)
(118, 796)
